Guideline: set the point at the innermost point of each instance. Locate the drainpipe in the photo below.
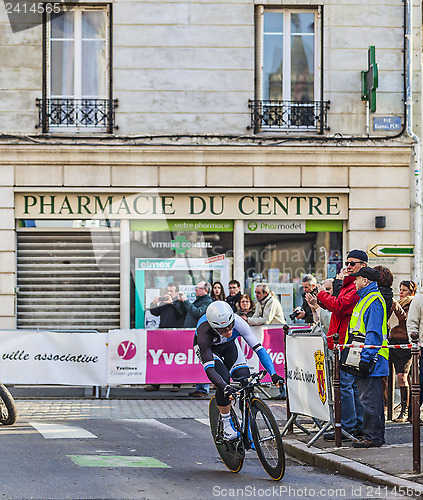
(416, 205)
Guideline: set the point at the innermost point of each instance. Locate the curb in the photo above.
(347, 467)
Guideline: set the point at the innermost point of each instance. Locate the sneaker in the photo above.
(230, 434)
(175, 389)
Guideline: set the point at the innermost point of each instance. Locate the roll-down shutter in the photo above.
(68, 280)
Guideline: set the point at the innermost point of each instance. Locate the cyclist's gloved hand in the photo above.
(278, 380)
(229, 391)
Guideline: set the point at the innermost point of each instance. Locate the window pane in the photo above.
(62, 25)
(94, 24)
(272, 55)
(302, 23)
(302, 68)
(273, 22)
(62, 69)
(94, 68)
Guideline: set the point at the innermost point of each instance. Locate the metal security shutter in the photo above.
(61, 283)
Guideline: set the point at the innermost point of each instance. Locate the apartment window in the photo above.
(288, 93)
(77, 80)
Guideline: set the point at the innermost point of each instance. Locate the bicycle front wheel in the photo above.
(8, 412)
(267, 439)
(231, 452)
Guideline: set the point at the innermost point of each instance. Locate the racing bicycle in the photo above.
(256, 427)
(8, 411)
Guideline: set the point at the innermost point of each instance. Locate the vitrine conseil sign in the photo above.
(180, 206)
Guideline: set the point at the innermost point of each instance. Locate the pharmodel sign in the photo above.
(180, 206)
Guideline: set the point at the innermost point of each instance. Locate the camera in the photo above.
(295, 313)
(162, 299)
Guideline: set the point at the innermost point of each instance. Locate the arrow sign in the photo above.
(392, 250)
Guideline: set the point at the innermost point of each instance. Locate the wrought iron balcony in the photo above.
(76, 114)
(289, 115)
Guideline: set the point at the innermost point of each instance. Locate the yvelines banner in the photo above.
(117, 357)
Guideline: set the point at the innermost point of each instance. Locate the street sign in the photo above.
(392, 250)
(387, 123)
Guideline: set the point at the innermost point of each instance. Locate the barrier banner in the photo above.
(306, 376)
(153, 357)
(42, 357)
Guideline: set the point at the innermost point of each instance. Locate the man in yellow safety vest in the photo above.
(368, 321)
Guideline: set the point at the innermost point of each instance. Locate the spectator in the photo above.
(234, 294)
(384, 283)
(309, 283)
(342, 307)
(401, 358)
(245, 307)
(268, 309)
(171, 316)
(369, 318)
(217, 292)
(193, 314)
(415, 324)
(321, 315)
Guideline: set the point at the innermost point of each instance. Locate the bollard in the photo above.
(336, 391)
(290, 429)
(415, 402)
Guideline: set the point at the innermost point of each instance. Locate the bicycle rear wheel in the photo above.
(8, 412)
(231, 452)
(267, 439)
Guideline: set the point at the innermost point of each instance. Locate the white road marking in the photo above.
(152, 422)
(55, 431)
(204, 421)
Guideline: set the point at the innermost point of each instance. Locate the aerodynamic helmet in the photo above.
(220, 314)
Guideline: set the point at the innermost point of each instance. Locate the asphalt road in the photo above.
(144, 458)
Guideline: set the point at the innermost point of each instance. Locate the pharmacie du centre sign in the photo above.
(181, 206)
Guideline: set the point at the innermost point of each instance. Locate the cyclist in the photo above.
(222, 358)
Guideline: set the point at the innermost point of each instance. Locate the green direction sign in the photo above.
(370, 80)
(392, 250)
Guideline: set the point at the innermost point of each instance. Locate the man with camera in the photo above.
(309, 284)
(171, 316)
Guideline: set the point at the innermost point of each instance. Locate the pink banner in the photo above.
(171, 358)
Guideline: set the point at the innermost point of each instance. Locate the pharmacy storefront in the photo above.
(96, 260)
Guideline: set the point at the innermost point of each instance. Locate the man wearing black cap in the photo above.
(368, 320)
(341, 304)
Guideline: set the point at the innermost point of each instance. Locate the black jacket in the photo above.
(195, 310)
(233, 299)
(308, 318)
(171, 315)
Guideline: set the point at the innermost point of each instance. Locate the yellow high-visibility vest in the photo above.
(357, 321)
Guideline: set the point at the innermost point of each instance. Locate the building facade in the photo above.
(228, 137)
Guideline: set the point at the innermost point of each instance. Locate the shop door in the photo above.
(62, 284)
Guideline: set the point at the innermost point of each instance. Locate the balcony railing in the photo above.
(289, 115)
(61, 114)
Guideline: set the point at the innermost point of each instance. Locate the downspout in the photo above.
(416, 205)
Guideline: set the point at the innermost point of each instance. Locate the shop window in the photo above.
(77, 82)
(151, 243)
(289, 95)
